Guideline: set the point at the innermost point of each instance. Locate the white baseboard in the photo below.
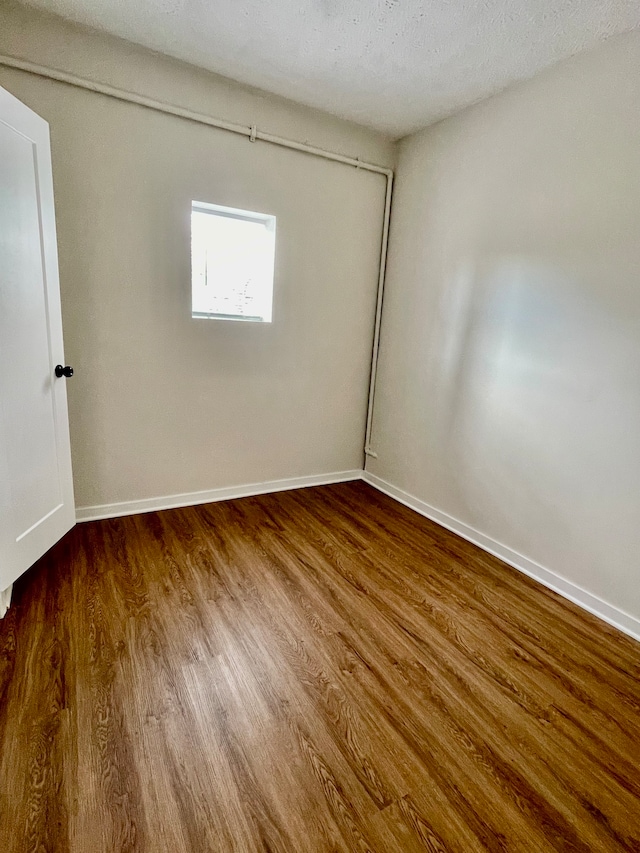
(5, 600)
(115, 510)
(588, 601)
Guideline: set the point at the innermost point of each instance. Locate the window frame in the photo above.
(266, 219)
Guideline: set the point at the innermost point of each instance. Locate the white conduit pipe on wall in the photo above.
(253, 134)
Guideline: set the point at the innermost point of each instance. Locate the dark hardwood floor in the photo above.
(310, 671)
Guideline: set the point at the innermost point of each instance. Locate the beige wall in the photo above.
(162, 404)
(509, 381)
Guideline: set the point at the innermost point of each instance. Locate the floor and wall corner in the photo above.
(291, 618)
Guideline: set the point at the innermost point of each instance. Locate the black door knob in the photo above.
(64, 371)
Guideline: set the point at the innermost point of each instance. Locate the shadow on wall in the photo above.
(538, 386)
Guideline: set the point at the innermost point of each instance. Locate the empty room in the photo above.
(319, 426)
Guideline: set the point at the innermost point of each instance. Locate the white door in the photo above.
(36, 489)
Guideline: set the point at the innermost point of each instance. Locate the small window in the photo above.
(232, 262)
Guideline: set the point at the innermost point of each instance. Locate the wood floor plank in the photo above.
(315, 671)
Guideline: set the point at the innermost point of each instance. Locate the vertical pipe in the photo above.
(384, 249)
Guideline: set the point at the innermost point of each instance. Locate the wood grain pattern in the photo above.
(318, 671)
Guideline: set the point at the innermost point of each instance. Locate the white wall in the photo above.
(162, 404)
(509, 382)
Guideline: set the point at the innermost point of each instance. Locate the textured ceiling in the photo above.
(393, 65)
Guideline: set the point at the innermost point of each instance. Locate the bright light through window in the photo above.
(232, 261)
